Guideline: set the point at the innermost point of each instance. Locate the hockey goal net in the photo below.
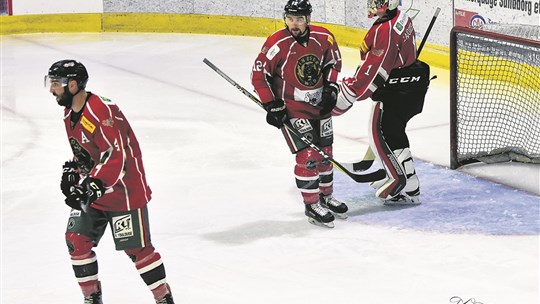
(495, 94)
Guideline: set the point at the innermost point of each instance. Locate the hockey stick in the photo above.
(427, 32)
(369, 157)
(359, 178)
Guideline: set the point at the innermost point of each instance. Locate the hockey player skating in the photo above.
(295, 77)
(104, 184)
(397, 82)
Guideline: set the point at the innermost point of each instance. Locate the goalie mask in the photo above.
(380, 7)
(61, 73)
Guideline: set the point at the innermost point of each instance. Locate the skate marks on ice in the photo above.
(253, 231)
(452, 202)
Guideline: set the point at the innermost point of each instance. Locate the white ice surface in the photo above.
(225, 215)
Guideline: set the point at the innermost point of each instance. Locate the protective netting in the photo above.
(498, 94)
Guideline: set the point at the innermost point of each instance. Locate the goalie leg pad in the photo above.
(306, 174)
(404, 157)
(396, 177)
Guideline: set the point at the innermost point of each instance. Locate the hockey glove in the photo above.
(94, 189)
(76, 198)
(70, 177)
(329, 98)
(276, 113)
(81, 197)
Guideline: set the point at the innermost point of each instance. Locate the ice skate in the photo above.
(167, 299)
(403, 200)
(338, 209)
(94, 298)
(320, 216)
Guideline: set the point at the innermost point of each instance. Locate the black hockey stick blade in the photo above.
(364, 164)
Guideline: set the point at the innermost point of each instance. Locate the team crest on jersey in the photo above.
(308, 70)
(83, 158)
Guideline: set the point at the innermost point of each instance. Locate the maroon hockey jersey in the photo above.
(106, 148)
(295, 73)
(388, 45)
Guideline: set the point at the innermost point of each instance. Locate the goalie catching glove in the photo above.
(81, 197)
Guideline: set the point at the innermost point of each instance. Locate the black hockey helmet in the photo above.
(67, 70)
(298, 8)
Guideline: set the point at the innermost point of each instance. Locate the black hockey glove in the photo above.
(81, 197)
(276, 113)
(76, 198)
(94, 189)
(329, 98)
(70, 177)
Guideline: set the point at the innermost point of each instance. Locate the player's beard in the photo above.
(296, 32)
(66, 99)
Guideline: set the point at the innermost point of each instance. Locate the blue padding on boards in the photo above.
(452, 202)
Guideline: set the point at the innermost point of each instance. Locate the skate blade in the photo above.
(341, 216)
(320, 224)
(401, 203)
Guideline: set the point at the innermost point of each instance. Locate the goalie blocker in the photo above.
(402, 97)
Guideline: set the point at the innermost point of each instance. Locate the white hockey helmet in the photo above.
(381, 6)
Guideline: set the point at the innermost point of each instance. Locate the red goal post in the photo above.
(494, 94)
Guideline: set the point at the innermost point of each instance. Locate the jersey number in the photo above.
(257, 67)
(368, 69)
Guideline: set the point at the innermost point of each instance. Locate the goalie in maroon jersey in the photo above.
(397, 82)
(295, 77)
(104, 184)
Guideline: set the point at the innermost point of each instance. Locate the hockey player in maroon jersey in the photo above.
(397, 82)
(295, 77)
(104, 184)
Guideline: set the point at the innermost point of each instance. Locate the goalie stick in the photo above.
(357, 177)
(369, 157)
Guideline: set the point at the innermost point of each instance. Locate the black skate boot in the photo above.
(94, 298)
(167, 299)
(318, 215)
(338, 209)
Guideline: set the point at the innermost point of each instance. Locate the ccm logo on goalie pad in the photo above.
(404, 80)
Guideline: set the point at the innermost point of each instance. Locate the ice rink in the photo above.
(226, 215)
